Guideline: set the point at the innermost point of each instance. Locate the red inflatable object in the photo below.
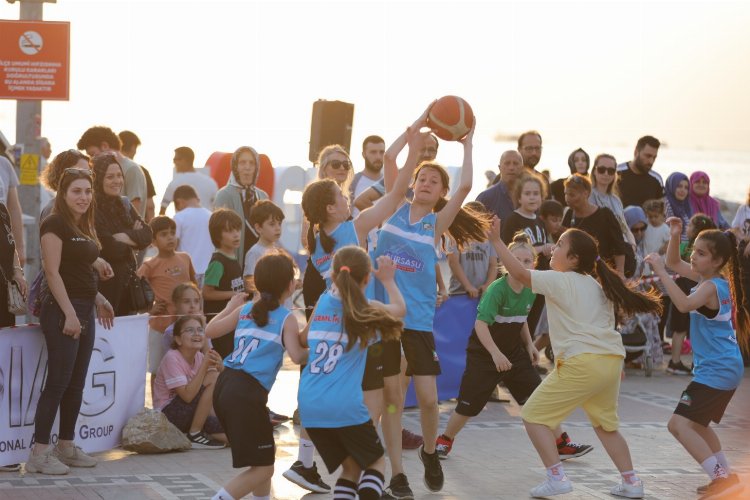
(220, 166)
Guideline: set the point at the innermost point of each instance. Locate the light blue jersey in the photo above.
(412, 248)
(345, 234)
(259, 351)
(330, 389)
(717, 361)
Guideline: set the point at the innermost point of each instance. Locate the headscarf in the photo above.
(571, 162)
(635, 214)
(703, 204)
(680, 208)
(110, 210)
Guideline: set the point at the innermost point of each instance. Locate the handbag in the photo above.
(140, 292)
(16, 300)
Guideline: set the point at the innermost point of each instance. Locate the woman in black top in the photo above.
(69, 249)
(599, 222)
(120, 230)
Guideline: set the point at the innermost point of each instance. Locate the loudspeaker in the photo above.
(331, 124)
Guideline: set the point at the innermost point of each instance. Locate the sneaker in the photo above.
(443, 446)
(549, 488)
(410, 441)
(398, 489)
(628, 490)
(433, 471)
(46, 463)
(10, 468)
(733, 478)
(567, 449)
(73, 456)
(306, 477)
(199, 441)
(722, 486)
(678, 368)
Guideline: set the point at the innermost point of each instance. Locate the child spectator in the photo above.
(551, 213)
(192, 229)
(474, 268)
(184, 385)
(657, 232)
(163, 272)
(265, 219)
(187, 300)
(528, 195)
(223, 276)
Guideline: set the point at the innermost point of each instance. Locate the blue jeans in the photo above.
(67, 365)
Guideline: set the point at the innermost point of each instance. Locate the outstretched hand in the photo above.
(494, 233)
(656, 262)
(675, 226)
(421, 122)
(386, 269)
(467, 140)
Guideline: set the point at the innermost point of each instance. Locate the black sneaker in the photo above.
(199, 441)
(306, 477)
(433, 471)
(568, 449)
(678, 368)
(721, 486)
(398, 489)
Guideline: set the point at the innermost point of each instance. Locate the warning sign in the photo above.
(34, 60)
(29, 170)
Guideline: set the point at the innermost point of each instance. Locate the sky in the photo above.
(215, 75)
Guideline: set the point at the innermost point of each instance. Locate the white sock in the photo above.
(222, 495)
(264, 497)
(713, 468)
(629, 477)
(722, 459)
(306, 451)
(556, 472)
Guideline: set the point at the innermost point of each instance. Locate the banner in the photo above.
(114, 392)
(452, 327)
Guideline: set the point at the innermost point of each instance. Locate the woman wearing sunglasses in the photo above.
(603, 194)
(69, 248)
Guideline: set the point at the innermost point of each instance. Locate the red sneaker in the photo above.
(443, 446)
(410, 441)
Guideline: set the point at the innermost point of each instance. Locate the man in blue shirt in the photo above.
(497, 199)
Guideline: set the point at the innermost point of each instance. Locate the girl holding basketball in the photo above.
(330, 397)
(263, 330)
(411, 238)
(718, 367)
(582, 293)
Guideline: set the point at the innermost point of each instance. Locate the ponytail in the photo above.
(626, 298)
(351, 266)
(315, 200)
(273, 274)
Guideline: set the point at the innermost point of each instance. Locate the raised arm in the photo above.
(226, 321)
(448, 213)
(386, 272)
(705, 294)
(673, 259)
(512, 265)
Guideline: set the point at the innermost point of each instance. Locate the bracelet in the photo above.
(18, 267)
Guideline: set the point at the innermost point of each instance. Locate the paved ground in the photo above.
(492, 457)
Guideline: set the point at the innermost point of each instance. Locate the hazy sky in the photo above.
(217, 74)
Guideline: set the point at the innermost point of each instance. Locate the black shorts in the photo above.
(361, 442)
(373, 377)
(481, 377)
(180, 413)
(240, 403)
(391, 358)
(703, 404)
(421, 356)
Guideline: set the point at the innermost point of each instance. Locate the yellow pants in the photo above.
(589, 381)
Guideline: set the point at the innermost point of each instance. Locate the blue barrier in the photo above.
(452, 326)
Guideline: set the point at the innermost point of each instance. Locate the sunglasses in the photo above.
(606, 170)
(638, 229)
(80, 172)
(337, 164)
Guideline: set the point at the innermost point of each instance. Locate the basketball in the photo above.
(451, 118)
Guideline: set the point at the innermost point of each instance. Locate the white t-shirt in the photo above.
(581, 319)
(192, 231)
(8, 179)
(204, 185)
(655, 238)
(362, 185)
(742, 219)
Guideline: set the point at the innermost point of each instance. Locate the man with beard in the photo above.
(373, 150)
(636, 181)
(530, 147)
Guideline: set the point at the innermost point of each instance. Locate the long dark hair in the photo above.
(626, 298)
(85, 226)
(315, 200)
(111, 210)
(723, 246)
(468, 225)
(273, 273)
(351, 266)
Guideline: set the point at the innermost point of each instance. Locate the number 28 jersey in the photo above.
(330, 390)
(259, 351)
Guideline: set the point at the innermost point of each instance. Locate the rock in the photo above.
(151, 432)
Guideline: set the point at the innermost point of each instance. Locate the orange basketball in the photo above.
(451, 118)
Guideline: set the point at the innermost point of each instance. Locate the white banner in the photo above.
(114, 392)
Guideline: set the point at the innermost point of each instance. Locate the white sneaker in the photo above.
(74, 456)
(628, 490)
(549, 488)
(46, 463)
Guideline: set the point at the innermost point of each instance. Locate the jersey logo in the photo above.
(328, 318)
(322, 260)
(406, 262)
(427, 226)
(686, 399)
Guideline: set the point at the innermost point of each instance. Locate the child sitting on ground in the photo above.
(184, 385)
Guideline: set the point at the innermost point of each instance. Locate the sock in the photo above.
(713, 468)
(562, 439)
(306, 451)
(222, 495)
(722, 459)
(629, 477)
(345, 490)
(371, 485)
(556, 472)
